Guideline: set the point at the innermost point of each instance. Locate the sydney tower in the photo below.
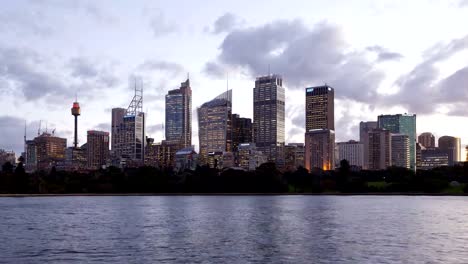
(76, 112)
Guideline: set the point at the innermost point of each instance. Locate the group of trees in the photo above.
(265, 179)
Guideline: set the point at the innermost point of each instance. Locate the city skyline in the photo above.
(47, 74)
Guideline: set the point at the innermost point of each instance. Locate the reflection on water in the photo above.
(233, 229)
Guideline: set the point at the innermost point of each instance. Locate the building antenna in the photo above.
(39, 130)
(46, 123)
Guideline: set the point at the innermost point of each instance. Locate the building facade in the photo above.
(249, 157)
(402, 124)
(269, 115)
(320, 108)
(97, 149)
(215, 126)
(379, 149)
(352, 151)
(400, 151)
(320, 149)
(178, 127)
(427, 140)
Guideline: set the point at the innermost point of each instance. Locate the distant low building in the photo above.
(7, 156)
(433, 158)
(249, 157)
(294, 155)
(186, 159)
(352, 151)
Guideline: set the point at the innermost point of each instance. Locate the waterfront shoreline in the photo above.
(223, 194)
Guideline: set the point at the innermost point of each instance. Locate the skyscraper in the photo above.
(179, 115)
(320, 108)
(452, 146)
(380, 150)
(241, 131)
(319, 149)
(97, 149)
(364, 129)
(117, 121)
(269, 114)
(400, 151)
(402, 124)
(128, 130)
(215, 125)
(427, 140)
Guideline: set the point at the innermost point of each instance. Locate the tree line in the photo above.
(265, 179)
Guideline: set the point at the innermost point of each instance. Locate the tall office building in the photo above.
(179, 115)
(128, 131)
(451, 145)
(215, 126)
(241, 131)
(117, 121)
(400, 151)
(380, 149)
(352, 151)
(97, 149)
(402, 124)
(427, 140)
(364, 129)
(320, 108)
(320, 149)
(269, 115)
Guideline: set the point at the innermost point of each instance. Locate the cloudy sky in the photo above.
(382, 57)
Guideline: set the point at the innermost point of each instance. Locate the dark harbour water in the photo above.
(234, 229)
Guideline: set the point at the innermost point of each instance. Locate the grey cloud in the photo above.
(304, 56)
(422, 92)
(23, 70)
(226, 23)
(82, 68)
(160, 26)
(171, 67)
(154, 129)
(26, 72)
(383, 54)
(214, 69)
(463, 3)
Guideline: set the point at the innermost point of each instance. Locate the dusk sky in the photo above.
(382, 57)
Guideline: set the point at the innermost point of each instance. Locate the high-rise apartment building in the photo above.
(451, 145)
(320, 108)
(179, 115)
(400, 151)
(352, 151)
(319, 149)
(215, 126)
(427, 140)
(269, 114)
(97, 149)
(241, 131)
(402, 124)
(380, 149)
